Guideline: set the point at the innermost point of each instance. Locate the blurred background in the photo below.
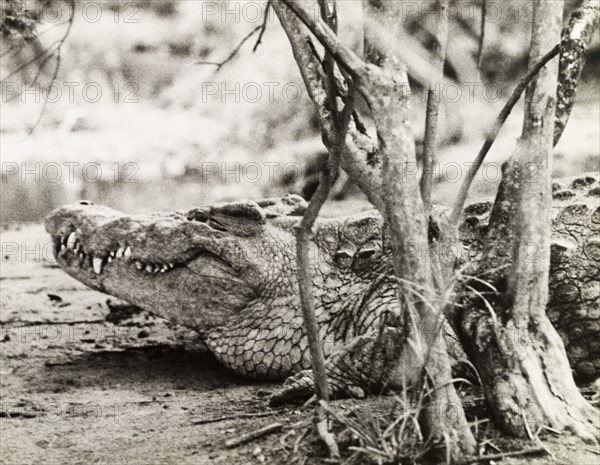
(138, 117)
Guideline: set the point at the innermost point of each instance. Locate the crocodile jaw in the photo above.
(165, 263)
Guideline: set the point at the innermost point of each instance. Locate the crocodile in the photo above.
(229, 271)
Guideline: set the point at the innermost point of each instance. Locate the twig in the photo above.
(232, 417)
(49, 52)
(58, 49)
(481, 36)
(502, 455)
(253, 435)
(344, 57)
(329, 62)
(263, 28)
(514, 98)
(433, 106)
(220, 64)
(45, 104)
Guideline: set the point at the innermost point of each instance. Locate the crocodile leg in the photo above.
(373, 362)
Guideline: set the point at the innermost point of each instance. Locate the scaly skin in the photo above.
(228, 271)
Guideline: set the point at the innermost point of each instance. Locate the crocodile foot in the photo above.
(301, 386)
(373, 363)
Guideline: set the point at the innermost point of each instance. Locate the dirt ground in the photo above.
(87, 379)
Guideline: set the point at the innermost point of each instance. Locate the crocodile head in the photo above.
(197, 268)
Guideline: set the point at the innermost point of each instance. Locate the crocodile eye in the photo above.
(343, 258)
(243, 211)
(367, 256)
(198, 214)
(85, 202)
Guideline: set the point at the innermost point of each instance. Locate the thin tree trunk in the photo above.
(520, 357)
(433, 103)
(388, 101)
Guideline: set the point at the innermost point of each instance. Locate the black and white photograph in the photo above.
(300, 232)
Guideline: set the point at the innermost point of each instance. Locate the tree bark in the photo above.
(442, 417)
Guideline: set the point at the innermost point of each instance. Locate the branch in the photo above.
(514, 98)
(345, 57)
(359, 148)
(481, 36)
(47, 54)
(573, 51)
(574, 45)
(304, 232)
(329, 63)
(263, 28)
(220, 64)
(58, 49)
(303, 236)
(433, 104)
(252, 435)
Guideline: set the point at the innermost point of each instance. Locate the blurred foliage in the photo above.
(156, 110)
(15, 22)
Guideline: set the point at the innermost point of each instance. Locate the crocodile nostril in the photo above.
(85, 202)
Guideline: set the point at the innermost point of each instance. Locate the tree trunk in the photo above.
(443, 417)
(521, 358)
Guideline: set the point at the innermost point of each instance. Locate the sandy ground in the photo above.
(86, 379)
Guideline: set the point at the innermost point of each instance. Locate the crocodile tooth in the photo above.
(164, 268)
(97, 263)
(127, 252)
(139, 265)
(149, 268)
(81, 254)
(109, 259)
(120, 252)
(71, 240)
(111, 254)
(171, 265)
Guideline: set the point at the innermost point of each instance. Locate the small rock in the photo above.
(143, 333)
(6, 338)
(54, 298)
(169, 394)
